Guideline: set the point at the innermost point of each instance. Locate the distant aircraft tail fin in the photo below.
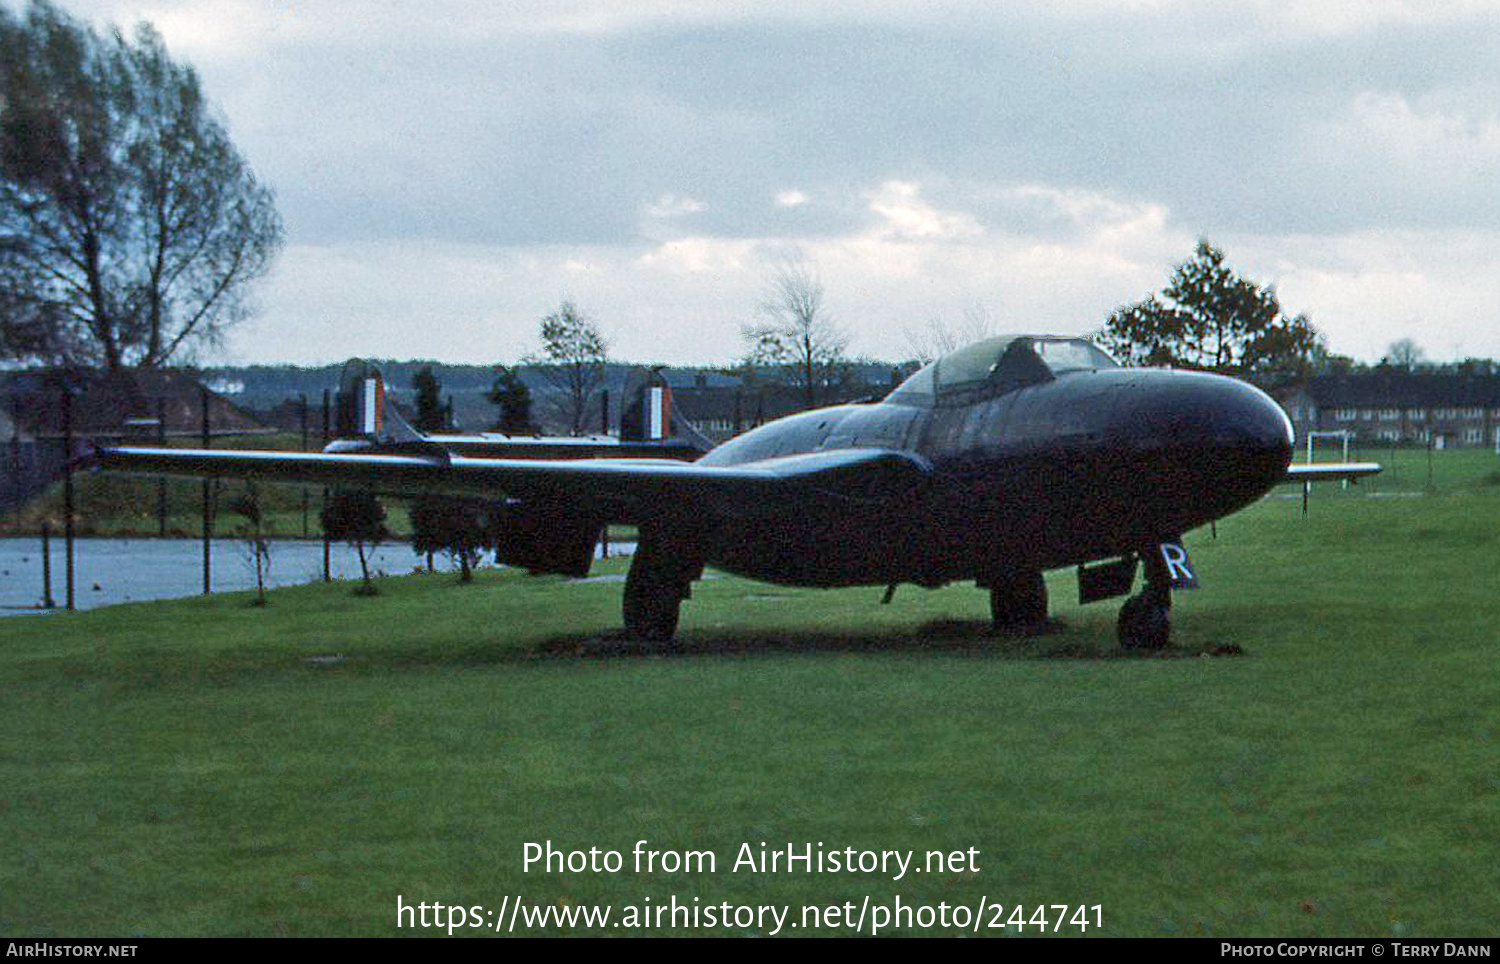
(363, 416)
(650, 416)
(366, 421)
(647, 415)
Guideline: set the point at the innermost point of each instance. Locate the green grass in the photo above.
(188, 768)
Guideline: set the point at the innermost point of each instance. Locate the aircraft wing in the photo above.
(1329, 471)
(494, 445)
(623, 489)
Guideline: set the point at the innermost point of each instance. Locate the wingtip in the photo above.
(89, 460)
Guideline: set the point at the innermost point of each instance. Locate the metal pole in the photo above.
(305, 495)
(208, 496)
(161, 482)
(327, 576)
(604, 412)
(67, 409)
(47, 601)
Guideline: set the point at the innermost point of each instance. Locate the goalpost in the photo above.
(1343, 434)
(1345, 437)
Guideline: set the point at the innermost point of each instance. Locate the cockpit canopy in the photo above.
(998, 365)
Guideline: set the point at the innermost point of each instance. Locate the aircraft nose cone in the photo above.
(1255, 426)
(1219, 438)
(1191, 409)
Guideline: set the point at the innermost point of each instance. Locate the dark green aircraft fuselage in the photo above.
(1031, 469)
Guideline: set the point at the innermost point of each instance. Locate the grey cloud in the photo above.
(560, 138)
(1227, 120)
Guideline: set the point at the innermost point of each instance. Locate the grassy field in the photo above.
(1318, 754)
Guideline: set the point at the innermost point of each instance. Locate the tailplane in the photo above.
(650, 426)
(650, 416)
(364, 420)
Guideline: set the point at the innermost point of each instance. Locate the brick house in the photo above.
(1391, 405)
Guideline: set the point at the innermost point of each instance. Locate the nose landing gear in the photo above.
(1145, 619)
(1145, 623)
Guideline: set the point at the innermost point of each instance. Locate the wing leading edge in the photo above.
(620, 488)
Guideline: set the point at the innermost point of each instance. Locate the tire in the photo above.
(1144, 623)
(651, 603)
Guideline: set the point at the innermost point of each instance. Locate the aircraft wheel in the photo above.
(1144, 623)
(651, 605)
(1019, 603)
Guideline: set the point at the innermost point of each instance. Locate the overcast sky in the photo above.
(450, 171)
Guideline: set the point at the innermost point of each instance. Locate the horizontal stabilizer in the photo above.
(1329, 471)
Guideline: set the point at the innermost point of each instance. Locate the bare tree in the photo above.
(1405, 353)
(795, 333)
(938, 339)
(574, 354)
(256, 533)
(130, 227)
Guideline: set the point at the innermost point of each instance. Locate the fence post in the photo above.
(47, 601)
(161, 482)
(15, 483)
(327, 574)
(208, 496)
(302, 397)
(67, 413)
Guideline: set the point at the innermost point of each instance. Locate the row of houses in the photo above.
(722, 405)
(1395, 406)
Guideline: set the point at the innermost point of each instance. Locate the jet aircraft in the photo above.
(1000, 461)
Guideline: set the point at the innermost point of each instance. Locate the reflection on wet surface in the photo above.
(110, 571)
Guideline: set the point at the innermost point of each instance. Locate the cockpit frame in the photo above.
(996, 366)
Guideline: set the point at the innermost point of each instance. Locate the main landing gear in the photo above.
(1145, 619)
(1018, 603)
(660, 578)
